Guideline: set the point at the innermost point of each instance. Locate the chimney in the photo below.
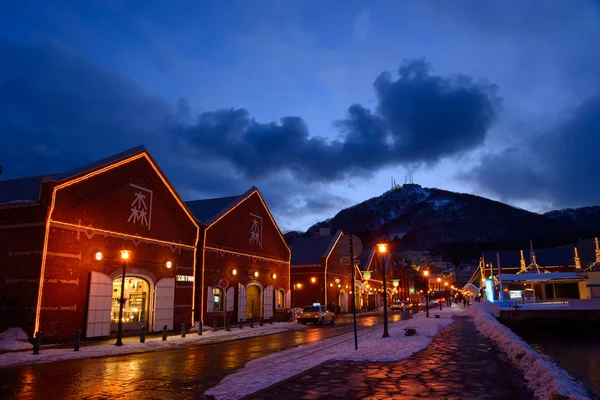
(324, 231)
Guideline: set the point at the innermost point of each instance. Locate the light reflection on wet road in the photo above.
(174, 374)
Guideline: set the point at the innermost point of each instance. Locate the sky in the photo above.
(316, 103)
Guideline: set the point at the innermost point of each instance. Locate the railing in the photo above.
(535, 304)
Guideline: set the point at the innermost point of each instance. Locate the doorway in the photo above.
(253, 303)
(136, 306)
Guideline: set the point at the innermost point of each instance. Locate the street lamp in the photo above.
(382, 249)
(448, 301)
(438, 281)
(124, 258)
(426, 273)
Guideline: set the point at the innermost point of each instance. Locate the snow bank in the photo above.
(544, 377)
(266, 371)
(14, 339)
(132, 345)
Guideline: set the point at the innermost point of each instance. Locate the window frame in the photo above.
(282, 292)
(221, 301)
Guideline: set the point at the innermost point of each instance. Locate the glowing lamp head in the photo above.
(98, 256)
(366, 275)
(382, 248)
(445, 283)
(256, 274)
(313, 279)
(426, 273)
(298, 285)
(439, 279)
(234, 272)
(274, 276)
(168, 264)
(395, 282)
(125, 254)
(331, 285)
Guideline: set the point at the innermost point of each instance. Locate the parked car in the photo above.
(397, 306)
(316, 314)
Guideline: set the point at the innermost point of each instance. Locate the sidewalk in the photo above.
(459, 363)
(132, 345)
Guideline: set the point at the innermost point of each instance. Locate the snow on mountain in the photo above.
(427, 218)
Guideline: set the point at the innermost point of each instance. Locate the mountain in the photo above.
(585, 216)
(457, 225)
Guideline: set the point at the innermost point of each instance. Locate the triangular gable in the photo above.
(335, 239)
(108, 163)
(236, 202)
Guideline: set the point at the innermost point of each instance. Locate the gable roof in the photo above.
(308, 250)
(205, 210)
(95, 165)
(28, 189)
(366, 258)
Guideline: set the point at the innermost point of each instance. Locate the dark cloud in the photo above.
(420, 118)
(57, 109)
(557, 167)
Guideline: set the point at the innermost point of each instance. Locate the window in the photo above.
(136, 295)
(280, 298)
(217, 299)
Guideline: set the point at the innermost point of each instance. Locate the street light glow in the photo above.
(125, 254)
(426, 273)
(382, 248)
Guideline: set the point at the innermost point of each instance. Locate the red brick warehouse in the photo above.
(60, 242)
(242, 247)
(319, 274)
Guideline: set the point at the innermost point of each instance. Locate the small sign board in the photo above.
(223, 284)
(344, 247)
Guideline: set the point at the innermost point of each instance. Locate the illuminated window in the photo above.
(136, 296)
(280, 298)
(217, 299)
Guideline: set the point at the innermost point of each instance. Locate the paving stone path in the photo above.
(460, 363)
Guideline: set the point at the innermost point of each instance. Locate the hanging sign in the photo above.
(223, 284)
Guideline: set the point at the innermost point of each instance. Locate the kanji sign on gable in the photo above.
(141, 207)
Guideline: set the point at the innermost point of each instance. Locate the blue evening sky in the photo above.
(499, 99)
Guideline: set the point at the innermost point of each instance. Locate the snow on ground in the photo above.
(266, 371)
(130, 345)
(544, 377)
(14, 339)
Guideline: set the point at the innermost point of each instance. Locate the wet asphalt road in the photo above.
(175, 374)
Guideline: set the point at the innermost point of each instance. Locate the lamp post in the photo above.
(366, 275)
(447, 295)
(426, 273)
(124, 258)
(439, 280)
(382, 249)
